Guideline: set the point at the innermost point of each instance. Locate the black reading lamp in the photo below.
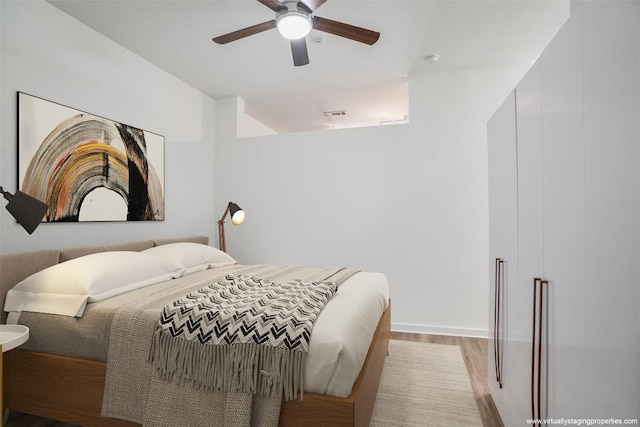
(27, 210)
(237, 218)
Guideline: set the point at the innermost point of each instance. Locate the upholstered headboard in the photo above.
(15, 267)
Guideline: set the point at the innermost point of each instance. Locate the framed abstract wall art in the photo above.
(88, 168)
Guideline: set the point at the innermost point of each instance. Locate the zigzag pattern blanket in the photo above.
(134, 390)
(240, 334)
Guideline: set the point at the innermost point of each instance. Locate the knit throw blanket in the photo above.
(240, 334)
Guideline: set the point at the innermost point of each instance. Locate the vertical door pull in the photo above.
(536, 348)
(497, 307)
(496, 285)
(500, 286)
(543, 284)
(534, 332)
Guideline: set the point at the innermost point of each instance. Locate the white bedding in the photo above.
(342, 334)
(338, 347)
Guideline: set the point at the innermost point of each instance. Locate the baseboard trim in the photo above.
(439, 330)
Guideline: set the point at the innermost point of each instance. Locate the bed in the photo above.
(44, 380)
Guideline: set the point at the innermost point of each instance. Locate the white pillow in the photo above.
(192, 256)
(66, 288)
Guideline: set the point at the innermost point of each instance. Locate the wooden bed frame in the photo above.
(70, 389)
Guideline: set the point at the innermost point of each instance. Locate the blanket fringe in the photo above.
(246, 368)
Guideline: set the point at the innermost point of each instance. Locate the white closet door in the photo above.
(578, 219)
(503, 245)
(564, 218)
(612, 140)
(530, 226)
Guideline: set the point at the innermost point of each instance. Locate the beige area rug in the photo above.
(425, 385)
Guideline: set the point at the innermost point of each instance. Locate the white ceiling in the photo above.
(369, 82)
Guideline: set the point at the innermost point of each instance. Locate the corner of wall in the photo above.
(248, 126)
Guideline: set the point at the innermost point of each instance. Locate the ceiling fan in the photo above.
(295, 19)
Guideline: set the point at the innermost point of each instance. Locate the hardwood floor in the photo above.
(474, 353)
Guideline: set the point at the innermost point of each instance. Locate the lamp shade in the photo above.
(237, 214)
(237, 218)
(27, 210)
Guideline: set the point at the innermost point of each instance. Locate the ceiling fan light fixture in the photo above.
(295, 19)
(293, 24)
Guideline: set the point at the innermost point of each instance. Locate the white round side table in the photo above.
(11, 336)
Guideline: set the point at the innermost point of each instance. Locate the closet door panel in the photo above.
(503, 207)
(530, 216)
(503, 244)
(564, 240)
(612, 140)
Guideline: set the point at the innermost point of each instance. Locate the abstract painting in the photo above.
(88, 168)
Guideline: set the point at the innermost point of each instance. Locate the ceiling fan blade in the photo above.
(245, 32)
(341, 29)
(299, 51)
(313, 4)
(274, 5)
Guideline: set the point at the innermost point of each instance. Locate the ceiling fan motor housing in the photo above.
(294, 22)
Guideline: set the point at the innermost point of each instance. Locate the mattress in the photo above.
(337, 349)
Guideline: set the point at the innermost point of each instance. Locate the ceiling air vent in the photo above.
(339, 113)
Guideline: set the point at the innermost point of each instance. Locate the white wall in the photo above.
(248, 126)
(47, 53)
(407, 200)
